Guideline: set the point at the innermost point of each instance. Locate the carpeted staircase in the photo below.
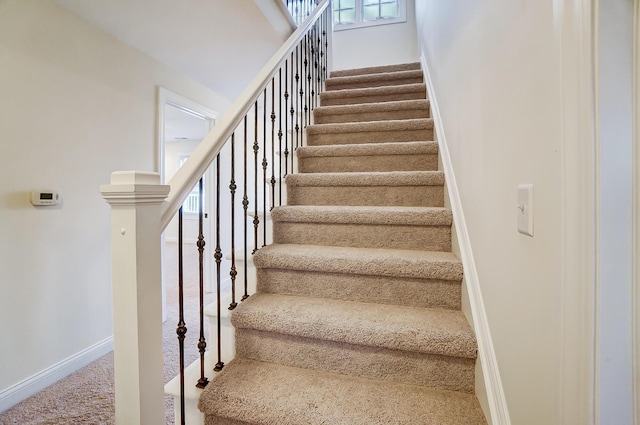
(357, 316)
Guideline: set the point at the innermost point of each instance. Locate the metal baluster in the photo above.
(202, 342)
(218, 256)
(305, 119)
(308, 71)
(313, 66)
(325, 28)
(286, 125)
(273, 144)
(264, 165)
(301, 93)
(298, 89)
(232, 187)
(181, 330)
(280, 136)
(256, 149)
(292, 111)
(245, 206)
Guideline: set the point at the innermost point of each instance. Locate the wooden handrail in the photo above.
(189, 174)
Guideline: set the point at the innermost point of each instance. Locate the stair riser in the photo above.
(436, 371)
(339, 164)
(371, 116)
(345, 85)
(407, 196)
(375, 70)
(362, 288)
(320, 139)
(334, 101)
(429, 238)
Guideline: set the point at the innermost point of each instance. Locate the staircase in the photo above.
(357, 316)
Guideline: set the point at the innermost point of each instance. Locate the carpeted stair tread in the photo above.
(363, 261)
(387, 178)
(369, 149)
(373, 94)
(376, 69)
(371, 126)
(262, 393)
(387, 131)
(366, 157)
(423, 330)
(374, 80)
(421, 228)
(389, 215)
(404, 109)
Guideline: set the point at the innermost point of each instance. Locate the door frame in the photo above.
(168, 97)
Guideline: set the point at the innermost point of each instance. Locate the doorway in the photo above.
(182, 124)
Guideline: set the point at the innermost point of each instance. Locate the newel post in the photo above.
(136, 198)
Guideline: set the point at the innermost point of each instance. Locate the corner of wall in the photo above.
(489, 388)
(41, 380)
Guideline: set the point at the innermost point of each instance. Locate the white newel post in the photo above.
(136, 198)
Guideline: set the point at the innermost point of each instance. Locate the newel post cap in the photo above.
(134, 187)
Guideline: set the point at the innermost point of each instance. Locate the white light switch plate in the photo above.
(525, 209)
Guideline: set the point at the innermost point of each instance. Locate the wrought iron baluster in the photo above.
(286, 126)
(305, 119)
(313, 66)
(308, 68)
(291, 112)
(256, 149)
(280, 136)
(245, 206)
(298, 90)
(264, 165)
(218, 257)
(202, 342)
(273, 144)
(181, 330)
(232, 188)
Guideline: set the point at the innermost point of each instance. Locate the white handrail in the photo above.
(189, 174)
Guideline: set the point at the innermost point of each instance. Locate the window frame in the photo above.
(360, 23)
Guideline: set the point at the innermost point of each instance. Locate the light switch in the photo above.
(525, 209)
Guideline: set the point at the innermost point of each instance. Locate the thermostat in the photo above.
(49, 197)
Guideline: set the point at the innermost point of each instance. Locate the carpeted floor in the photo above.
(87, 396)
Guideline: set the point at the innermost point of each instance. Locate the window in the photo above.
(361, 13)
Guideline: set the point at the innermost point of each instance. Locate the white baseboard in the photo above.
(495, 393)
(25, 389)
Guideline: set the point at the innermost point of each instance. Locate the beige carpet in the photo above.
(87, 396)
(357, 317)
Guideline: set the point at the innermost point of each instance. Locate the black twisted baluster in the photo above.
(292, 111)
(256, 149)
(280, 136)
(181, 330)
(264, 165)
(273, 144)
(202, 342)
(232, 188)
(245, 206)
(218, 256)
(298, 90)
(286, 123)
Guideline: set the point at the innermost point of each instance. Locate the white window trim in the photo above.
(359, 23)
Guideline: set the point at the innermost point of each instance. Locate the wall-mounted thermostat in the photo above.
(49, 197)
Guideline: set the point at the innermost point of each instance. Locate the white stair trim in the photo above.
(499, 413)
(41, 380)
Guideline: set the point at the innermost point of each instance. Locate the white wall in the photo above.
(615, 354)
(377, 45)
(497, 71)
(76, 105)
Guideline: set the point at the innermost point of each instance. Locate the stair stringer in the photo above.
(488, 389)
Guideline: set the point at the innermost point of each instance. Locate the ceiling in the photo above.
(221, 44)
